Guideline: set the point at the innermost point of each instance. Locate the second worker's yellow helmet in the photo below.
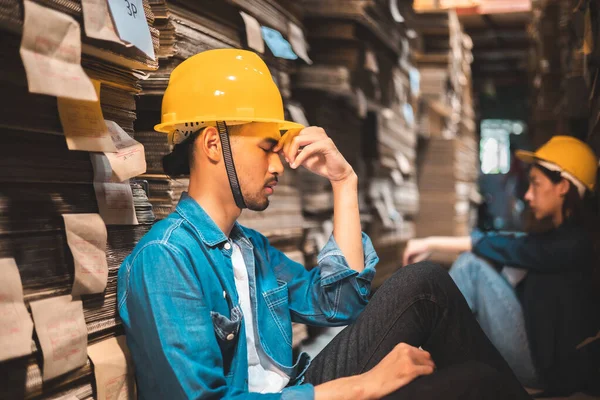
(228, 85)
(568, 153)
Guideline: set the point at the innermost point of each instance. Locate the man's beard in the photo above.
(256, 202)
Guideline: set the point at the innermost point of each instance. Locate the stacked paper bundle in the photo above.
(448, 157)
(563, 89)
(363, 89)
(393, 190)
(69, 213)
(447, 184)
(445, 65)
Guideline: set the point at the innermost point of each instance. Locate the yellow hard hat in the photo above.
(229, 85)
(570, 154)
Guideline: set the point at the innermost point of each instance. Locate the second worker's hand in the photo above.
(314, 150)
(416, 250)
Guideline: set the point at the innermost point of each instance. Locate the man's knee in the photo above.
(420, 278)
(426, 270)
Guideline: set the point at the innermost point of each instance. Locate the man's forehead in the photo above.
(259, 130)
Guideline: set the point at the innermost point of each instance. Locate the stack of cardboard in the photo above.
(46, 64)
(362, 90)
(550, 36)
(448, 156)
(444, 63)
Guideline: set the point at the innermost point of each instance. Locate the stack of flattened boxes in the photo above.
(362, 89)
(448, 152)
(41, 180)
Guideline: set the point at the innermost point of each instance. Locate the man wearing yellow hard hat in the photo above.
(541, 310)
(208, 304)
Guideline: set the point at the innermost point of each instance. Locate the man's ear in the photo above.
(210, 144)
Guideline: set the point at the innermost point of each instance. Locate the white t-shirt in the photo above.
(263, 376)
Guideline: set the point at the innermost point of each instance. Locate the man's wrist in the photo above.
(350, 179)
(363, 387)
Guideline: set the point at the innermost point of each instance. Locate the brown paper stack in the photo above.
(42, 179)
(448, 155)
(359, 90)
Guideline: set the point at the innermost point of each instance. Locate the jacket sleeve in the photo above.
(331, 294)
(535, 252)
(170, 321)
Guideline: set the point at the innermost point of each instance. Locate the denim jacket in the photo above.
(178, 302)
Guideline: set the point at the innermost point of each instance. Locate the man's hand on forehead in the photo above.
(286, 138)
(313, 149)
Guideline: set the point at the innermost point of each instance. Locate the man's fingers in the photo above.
(282, 140)
(307, 152)
(285, 142)
(305, 136)
(300, 141)
(419, 370)
(425, 362)
(287, 145)
(422, 357)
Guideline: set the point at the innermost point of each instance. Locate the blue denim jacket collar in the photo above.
(209, 232)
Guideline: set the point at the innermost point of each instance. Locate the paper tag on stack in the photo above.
(278, 45)
(115, 199)
(298, 42)
(111, 177)
(51, 54)
(253, 33)
(129, 160)
(113, 369)
(131, 24)
(62, 332)
(297, 114)
(83, 124)
(98, 22)
(16, 327)
(86, 237)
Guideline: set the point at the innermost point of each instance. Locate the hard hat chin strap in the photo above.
(230, 166)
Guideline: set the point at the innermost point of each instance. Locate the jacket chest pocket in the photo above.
(278, 304)
(227, 331)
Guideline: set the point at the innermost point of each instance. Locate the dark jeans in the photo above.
(420, 305)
